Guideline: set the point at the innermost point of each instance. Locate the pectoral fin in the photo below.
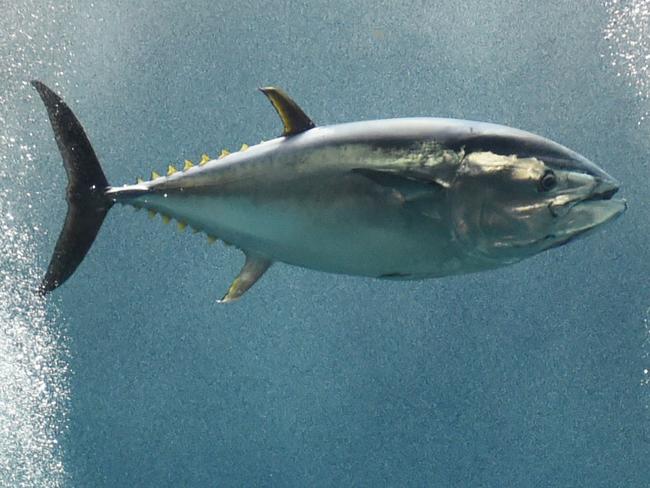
(294, 119)
(411, 186)
(253, 269)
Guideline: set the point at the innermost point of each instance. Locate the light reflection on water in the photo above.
(33, 371)
(628, 35)
(34, 387)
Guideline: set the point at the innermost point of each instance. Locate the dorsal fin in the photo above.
(294, 119)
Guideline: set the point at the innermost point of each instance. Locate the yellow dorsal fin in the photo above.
(211, 239)
(166, 219)
(224, 153)
(154, 175)
(181, 226)
(171, 170)
(187, 165)
(204, 158)
(244, 147)
(293, 118)
(151, 214)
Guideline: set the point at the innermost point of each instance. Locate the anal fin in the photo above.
(253, 269)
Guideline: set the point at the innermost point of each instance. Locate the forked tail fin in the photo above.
(87, 201)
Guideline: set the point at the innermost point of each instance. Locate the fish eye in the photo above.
(548, 181)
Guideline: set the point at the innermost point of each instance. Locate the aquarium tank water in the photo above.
(132, 375)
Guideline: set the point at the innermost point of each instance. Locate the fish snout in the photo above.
(605, 188)
(604, 191)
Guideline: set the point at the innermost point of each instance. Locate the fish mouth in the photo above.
(604, 190)
(601, 204)
(587, 213)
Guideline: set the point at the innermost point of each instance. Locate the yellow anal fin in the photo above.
(293, 118)
(253, 269)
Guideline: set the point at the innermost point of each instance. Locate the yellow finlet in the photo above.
(244, 147)
(151, 214)
(181, 226)
(194, 230)
(204, 159)
(211, 239)
(166, 219)
(154, 175)
(188, 164)
(139, 180)
(171, 170)
(224, 153)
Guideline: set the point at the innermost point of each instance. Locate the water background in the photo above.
(132, 375)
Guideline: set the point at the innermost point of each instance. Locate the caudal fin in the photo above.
(87, 202)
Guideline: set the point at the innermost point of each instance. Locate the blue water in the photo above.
(132, 375)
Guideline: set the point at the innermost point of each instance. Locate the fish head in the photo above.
(507, 208)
